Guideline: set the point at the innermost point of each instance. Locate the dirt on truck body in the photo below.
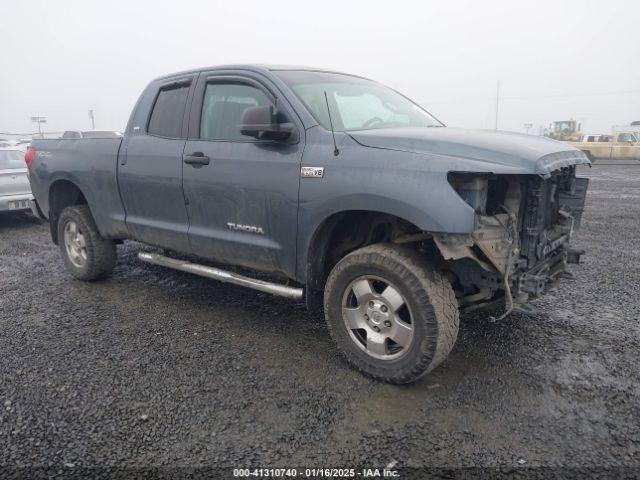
(367, 205)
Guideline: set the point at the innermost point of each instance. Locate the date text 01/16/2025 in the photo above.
(387, 472)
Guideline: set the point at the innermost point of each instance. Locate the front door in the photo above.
(241, 192)
(626, 147)
(150, 170)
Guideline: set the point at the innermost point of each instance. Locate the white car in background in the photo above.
(23, 143)
(20, 143)
(15, 191)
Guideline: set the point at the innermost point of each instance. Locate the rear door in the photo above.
(601, 148)
(150, 170)
(243, 202)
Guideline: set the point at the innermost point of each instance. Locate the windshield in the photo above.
(11, 159)
(564, 126)
(355, 103)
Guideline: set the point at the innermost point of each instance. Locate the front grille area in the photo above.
(543, 229)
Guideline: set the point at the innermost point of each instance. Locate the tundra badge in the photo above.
(312, 172)
(245, 228)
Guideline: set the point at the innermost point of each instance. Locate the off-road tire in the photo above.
(428, 294)
(101, 253)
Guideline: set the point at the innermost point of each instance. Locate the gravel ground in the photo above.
(156, 367)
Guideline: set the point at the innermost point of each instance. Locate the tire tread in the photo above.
(101, 253)
(419, 274)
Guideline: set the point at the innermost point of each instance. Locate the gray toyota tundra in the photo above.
(359, 200)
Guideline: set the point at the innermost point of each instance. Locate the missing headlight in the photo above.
(473, 188)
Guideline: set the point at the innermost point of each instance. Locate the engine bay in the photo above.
(520, 246)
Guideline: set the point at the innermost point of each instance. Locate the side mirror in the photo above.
(264, 123)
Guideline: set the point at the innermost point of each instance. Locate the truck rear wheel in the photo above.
(86, 254)
(393, 315)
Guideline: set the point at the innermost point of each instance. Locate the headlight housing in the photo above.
(473, 188)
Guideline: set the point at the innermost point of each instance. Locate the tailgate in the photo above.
(14, 182)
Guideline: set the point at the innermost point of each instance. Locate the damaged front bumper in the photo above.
(520, 250)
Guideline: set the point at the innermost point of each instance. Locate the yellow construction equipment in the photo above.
(565, 130)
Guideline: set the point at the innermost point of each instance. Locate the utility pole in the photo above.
(497, 103)
(39, 120)
(93, 122)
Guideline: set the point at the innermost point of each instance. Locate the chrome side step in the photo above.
(222, 275)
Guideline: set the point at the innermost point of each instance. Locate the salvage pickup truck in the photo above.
(360, 200)
(621, 145)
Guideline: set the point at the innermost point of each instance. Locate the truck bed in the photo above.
(92, 164)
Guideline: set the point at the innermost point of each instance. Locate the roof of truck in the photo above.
(256, 67)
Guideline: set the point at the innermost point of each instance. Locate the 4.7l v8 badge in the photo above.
(312, 172)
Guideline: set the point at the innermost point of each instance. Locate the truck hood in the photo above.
(531, 154)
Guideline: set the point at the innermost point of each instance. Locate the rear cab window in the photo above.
(167, 116)
(71, 135)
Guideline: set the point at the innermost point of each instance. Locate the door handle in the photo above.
(195, 158)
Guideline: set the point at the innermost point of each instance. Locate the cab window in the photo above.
(168, 112)
(223, 108)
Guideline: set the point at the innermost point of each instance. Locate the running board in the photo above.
(222, 275)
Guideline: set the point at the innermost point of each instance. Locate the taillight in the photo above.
(29, 155)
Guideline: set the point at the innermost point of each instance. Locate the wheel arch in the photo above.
(63, 193)
(345, 231)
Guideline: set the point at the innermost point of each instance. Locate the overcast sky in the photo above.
(554, 59)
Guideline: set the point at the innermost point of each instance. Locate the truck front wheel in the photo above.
(393, 315)
(86, 254)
